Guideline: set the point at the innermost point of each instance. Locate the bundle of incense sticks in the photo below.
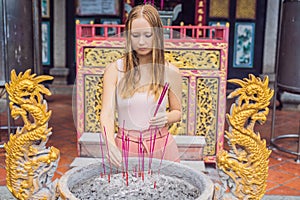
(162, 95)
(108, 177)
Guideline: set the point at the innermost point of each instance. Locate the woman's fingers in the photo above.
(159, 120)
(115, 156)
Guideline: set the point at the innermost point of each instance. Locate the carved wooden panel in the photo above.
(93, 85)
(206, 111)
(101, 57)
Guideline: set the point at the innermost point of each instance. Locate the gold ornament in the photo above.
(245, 167)
(29, 164)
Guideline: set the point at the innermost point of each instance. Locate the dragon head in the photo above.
(26, 88)
(253, 93)
(252, 90)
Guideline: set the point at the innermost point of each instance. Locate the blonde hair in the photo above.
(132, 75)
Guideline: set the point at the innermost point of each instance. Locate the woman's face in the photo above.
(141, 36)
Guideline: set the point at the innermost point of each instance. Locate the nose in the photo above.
(141, 40)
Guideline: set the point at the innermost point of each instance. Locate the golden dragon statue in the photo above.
(244, 168)
(30, 165)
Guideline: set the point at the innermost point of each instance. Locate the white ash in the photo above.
(166, 188)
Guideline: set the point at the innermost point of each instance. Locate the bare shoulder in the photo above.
(173, 76)
(172, 72)
(171, 67)
(111, 71)
(112, 66)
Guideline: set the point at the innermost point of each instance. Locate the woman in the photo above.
(133, 86)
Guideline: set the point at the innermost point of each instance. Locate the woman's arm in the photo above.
(107, 117)
(174, 98)
(175, 94)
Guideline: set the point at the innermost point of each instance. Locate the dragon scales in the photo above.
(245, 166)
(30, 165)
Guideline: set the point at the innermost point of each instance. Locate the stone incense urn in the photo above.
(167, 180)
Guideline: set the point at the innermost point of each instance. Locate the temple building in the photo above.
(253, 32)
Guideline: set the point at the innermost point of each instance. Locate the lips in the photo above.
(143, 49)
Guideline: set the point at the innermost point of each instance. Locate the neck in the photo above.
(145, 59)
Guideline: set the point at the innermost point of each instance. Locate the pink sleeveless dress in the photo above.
(134, 114)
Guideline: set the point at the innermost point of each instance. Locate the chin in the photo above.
(143, 53)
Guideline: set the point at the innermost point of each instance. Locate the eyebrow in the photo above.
(138, 31)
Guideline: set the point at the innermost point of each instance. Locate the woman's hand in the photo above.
(114, 155)
(160, 120)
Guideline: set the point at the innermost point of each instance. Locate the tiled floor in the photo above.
(284, 173)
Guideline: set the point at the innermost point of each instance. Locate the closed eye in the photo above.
(148, 35)
(135, 35)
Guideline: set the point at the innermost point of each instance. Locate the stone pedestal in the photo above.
(190, 147)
